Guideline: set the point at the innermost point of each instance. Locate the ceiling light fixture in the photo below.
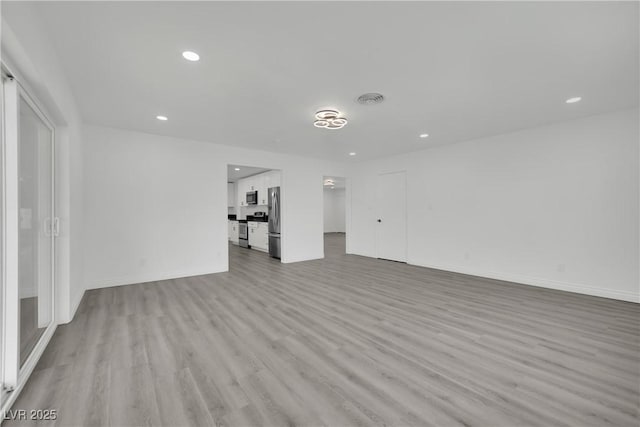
(573, 100)
(352, 154)
(162, 118)
(329, 119)
(424, 135)
(237, 169)
(190, 56)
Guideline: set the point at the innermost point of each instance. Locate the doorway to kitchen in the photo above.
(334, 211)
(254, 213)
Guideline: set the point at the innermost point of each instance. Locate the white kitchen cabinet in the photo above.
(252, 183)
(246, 185)
(277, 178)
(263, 234)
(258, 235)
(252, 227)
(273, 179)
(262, 189)
(242, 192)
(233, 232)
(260, 183)
(270, 179)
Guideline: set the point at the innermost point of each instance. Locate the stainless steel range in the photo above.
(243, 234)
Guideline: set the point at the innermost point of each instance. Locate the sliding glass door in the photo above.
(29, 229)
(36, 227)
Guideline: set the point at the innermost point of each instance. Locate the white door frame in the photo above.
(14, 376)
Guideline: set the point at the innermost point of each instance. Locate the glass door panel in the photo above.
(35, 226)
(3, 394)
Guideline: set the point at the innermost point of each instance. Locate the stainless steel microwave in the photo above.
(252, 197)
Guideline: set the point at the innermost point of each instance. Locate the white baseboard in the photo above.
(300, 259)
(149, 277)
(539, 282)
(527, 280)
(514, 278)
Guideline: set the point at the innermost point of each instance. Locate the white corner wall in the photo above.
(555, 206)
(156, 207)
(334, 210)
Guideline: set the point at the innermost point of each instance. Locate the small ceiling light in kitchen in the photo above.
(573, 100)
(424, 135)
(237, 169)
(370, 98)
(352, 154)
(162, 118)
(329, 119)
(190, 56)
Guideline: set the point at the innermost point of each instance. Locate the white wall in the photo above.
(27, 51)
(555, 206)
(156, 207)
(334, 210)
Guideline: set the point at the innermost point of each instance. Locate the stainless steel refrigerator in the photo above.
(274, 222)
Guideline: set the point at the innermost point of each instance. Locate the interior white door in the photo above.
(391, 222)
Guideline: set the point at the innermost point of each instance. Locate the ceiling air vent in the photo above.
(370, 98)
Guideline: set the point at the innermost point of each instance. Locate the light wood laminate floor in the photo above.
(343, 341)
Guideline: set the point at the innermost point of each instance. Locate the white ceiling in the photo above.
(456, 70)
(233, 175)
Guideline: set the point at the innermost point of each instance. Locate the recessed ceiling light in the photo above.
(190, 56)
(237, 169)
(352, 154)
(573, 100)
(424, 135)
(163, 118)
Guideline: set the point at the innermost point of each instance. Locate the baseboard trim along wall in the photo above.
(291, 260)
(541, 283)
(145, 278)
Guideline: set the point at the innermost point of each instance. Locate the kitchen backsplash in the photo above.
(250, 210)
